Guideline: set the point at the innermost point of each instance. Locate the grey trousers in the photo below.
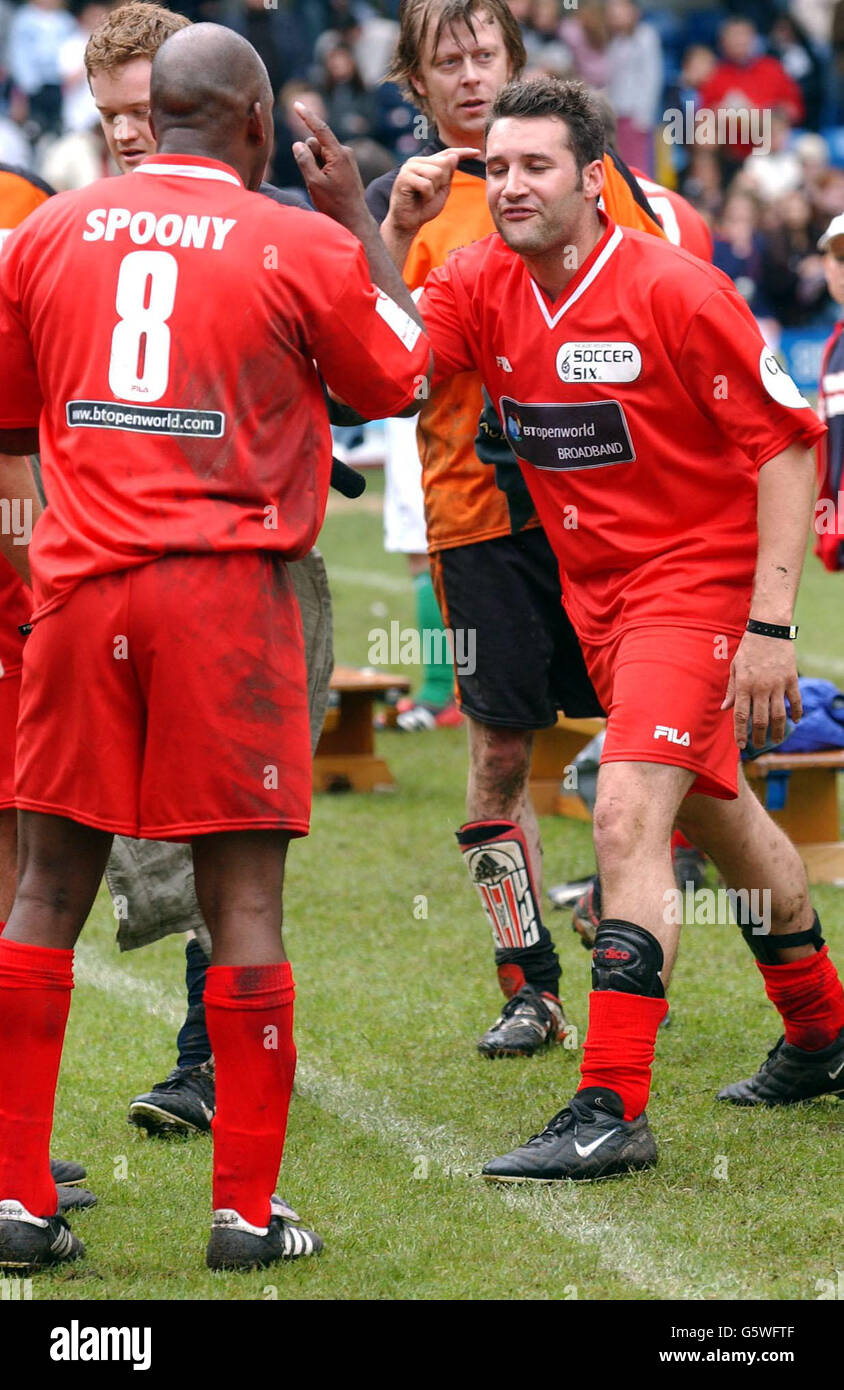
(151, 881)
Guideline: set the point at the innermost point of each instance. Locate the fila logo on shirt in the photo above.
(599, 362)
(672, 735)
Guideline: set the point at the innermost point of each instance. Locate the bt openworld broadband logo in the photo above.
(735, 125)
(406, 646)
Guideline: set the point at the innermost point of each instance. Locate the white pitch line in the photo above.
(619, 1251)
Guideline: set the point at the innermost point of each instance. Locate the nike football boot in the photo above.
(589, 1139)
(789, 1075)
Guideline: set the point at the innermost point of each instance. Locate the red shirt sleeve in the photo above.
(735, 380)
(446, 309)
(370, 352)
(20, 392)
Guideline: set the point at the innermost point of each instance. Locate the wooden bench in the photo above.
(553, 750)
(809, 814)
(345, 758)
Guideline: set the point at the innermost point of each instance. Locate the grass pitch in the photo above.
(395, 1112)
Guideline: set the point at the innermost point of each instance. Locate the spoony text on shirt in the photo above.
(166, 229)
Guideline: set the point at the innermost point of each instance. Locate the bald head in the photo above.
(210, 94)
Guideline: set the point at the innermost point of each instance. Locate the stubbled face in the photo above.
(122, 98)
(462, 78)
(535, 193)
(833, 264)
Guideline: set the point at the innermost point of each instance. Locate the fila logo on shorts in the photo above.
(672, 735)
(503, 363)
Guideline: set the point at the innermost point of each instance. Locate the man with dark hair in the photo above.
(594, 342)
(153, 566)
(453, 57)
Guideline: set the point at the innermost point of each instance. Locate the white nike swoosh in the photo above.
(596, 1143)
(207, 1111)
(833, 1074)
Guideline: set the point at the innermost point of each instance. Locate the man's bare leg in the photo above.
(635, 809)
(800, 979)
(60, 867)
(604, 1129)
(249, 1012)
(750, 851)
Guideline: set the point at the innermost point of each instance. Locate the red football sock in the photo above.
(249, 1015)
(809, 996)
(35, 985)
(619, 1050)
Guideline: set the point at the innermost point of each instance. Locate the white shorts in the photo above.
(404, 510)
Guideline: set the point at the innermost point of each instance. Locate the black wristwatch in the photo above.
(788, 634)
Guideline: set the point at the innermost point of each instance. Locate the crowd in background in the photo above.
(766, 209)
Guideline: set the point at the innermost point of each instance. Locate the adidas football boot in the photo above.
(528, 1021)
(589, 1139)
(235, 1244)
(789, 1075)
(30, 1242)
(183, 1104)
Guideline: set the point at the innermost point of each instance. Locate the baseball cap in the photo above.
(835, 229)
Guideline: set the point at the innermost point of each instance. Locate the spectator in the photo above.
(746, 82)
(278, 35)
(6, 13)
(790, 43)
(829, 543)
(79, 111)
(773, 174)
(77, 159)
(813, 153)
(702, 183)
(36, 34)
(699, 63)
(793, 284)
(683, 95)
(351, 109)
(288, 127)
(14, 146)
(585, 35)
(739, 246)
(816, 18)
(635, 77)
(546, 52)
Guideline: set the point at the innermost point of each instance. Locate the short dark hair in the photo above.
(570, 102)
(419, 18)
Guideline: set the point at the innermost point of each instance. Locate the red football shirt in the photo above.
(641, 406)
(682, 223)
(163, 330)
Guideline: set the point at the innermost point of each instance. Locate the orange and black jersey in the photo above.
(20, 194)
(462, 503)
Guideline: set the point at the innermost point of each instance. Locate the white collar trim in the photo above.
(190, 171)
(584, 284)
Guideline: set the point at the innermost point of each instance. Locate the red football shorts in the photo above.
(10, 689)
(169, 701)
(662, 688)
